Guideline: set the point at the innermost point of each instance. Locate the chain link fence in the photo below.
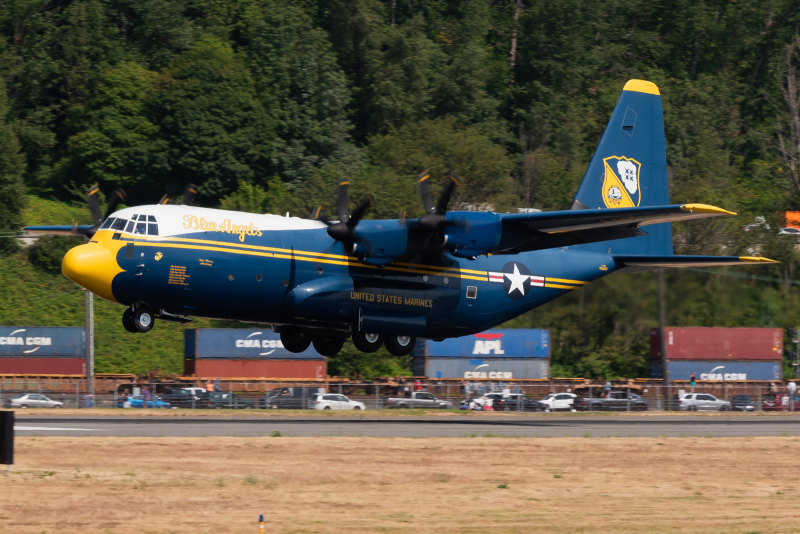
(404, 394)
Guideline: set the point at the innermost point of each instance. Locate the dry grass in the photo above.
(438, 485)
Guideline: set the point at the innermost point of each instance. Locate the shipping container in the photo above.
(42, 366)
(240, 344)
(522, 343)
(42, 341)
(229, 368)
(491, 369)
(719, 371)
(726, 344)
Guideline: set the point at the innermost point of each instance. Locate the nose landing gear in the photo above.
(139, 320)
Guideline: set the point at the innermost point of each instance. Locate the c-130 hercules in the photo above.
(445, 274)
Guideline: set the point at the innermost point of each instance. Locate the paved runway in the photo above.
(614, 426)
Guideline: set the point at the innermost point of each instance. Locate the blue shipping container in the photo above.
(240, 344)
(42, 342)
(493, 344)
(719, 370)
(492, 369)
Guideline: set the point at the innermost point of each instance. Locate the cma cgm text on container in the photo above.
(255, 353)
(501, 354)
(42, 350)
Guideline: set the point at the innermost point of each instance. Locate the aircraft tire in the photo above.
(366, 342)
(400, 345)
(143, 319)
(328, 346)
(293, 341)
(127, 322)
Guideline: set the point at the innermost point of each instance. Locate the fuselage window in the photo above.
(107, 223)
(141, 228)
(150, 218)
(152, 229)
(130, 227)
(119, 224)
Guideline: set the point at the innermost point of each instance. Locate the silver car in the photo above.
(32, 400)
(693, 402)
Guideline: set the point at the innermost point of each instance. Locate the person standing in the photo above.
(418, 385)
(607, 388)
(467, 390)
(792, 387)
(401, 388)
(145, 397)
(216, 385)
(209, 386)
(692, 380)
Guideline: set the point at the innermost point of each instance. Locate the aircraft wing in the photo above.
(66, 229)
(535, 231)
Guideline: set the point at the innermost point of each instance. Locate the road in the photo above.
(554, 426)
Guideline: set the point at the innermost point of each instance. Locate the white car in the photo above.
(789, 231)
(693, 402)
(197, 392)
(559, 401)
(32, 400)
(334, 401)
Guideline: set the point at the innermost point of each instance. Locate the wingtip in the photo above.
(705, 208)
(641, 86)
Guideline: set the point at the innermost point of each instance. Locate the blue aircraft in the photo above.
(388, 282)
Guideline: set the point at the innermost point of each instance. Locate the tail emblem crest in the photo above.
(621, 182)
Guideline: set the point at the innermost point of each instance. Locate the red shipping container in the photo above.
(256, 368)
(700, 343)
(43, 366)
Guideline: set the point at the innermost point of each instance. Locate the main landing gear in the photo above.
(298, 340)
(138, 321)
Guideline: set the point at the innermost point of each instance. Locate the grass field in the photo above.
(354, 485)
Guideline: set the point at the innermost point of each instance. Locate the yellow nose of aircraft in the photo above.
(93, 266)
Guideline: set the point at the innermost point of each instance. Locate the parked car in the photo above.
(224, 399)
(693, 402)
(618, 401)
(137, 401)
(559, 401)
(418, 399)
(780, 402)
(32, 400)
(294, 398)
(789, 231)
(334, 401)
(515, 402)
(185, 398)
(742, 403)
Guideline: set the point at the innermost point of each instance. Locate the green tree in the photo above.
(12, 188)
(253, 198)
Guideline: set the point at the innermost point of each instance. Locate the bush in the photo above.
(48, 251)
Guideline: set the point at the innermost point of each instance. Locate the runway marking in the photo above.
(56, 428)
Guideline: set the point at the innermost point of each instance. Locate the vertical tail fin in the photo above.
(629, 167)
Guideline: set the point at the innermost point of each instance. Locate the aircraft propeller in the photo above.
(94, 206)
(344, 231)
(434, 220)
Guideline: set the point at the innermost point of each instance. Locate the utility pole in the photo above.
(88, 300)
(662, 328)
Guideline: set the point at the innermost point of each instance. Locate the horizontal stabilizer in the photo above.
(635, 264)
(536, 231)
(67, 229)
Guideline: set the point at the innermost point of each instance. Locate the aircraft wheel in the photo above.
(127, 321)
(368, 343)
(143, 319)
(328, 346)
(400, 345)
(294, 341)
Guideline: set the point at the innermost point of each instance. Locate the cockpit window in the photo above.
(119, 224)
(135, 217)
(107, 223)
(131, 225)
(152, 229)
(150, 218)
(141, 228)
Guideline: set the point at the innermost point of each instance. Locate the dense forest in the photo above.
(265, 103)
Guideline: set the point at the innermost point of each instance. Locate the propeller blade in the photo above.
(94, 205)
(316, 215)
(425, 191)
(164, 199)
(360, 210)
(116, 197)
(341, 199)
(189, 194)
(444, 200)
